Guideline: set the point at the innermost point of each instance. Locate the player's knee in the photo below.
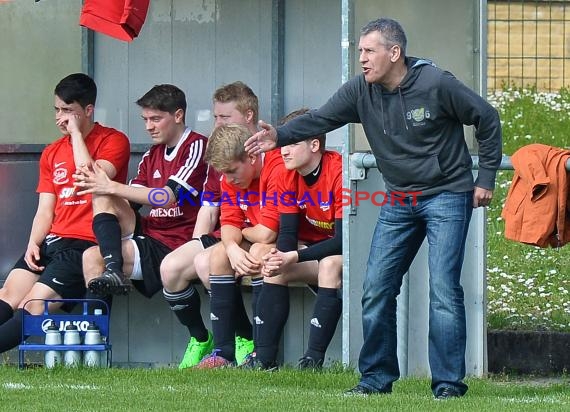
(258, 250)
(169, 271)
(331, 263)
(8, 297)
(32, 306)
(202, 266)
(34, 303)
(103, 204)
(330, 271)
(202, 263)
(218, 260)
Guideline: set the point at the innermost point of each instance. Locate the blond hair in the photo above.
(226, 145)
(242, 95)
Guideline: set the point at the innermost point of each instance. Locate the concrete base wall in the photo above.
(528, 352)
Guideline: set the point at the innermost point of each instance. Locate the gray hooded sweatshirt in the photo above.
(415, 131)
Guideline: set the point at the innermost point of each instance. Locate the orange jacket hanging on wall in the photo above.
(537, 209)
(121, 19)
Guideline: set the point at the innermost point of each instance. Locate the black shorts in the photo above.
(208, 240)
(62, 258)
(151, 254)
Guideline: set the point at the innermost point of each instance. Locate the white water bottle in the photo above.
(103, 358)
(92, 358)
(53, 337)
(72, 357)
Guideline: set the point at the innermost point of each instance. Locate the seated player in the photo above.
(51, 266)
(312, 217)
(169, 179)
(247, 217)
(233, 103)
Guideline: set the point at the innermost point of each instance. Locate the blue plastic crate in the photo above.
(36, 325)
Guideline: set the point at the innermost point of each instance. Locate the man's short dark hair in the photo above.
(164, 97)
(77, 87)
(390, 29)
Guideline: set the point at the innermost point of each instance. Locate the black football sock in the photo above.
(256, 285)
(6, 312)
(11, 331)
(222, 314)
(108, 233)
(186, 306)
(243, 326)
(273, 311)
(328, 308)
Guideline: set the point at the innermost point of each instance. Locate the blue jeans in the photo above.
(398, 235)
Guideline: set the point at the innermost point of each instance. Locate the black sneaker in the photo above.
(446, 393)
(110, 283)
(308, 362)
(251, 362)
(360, 390)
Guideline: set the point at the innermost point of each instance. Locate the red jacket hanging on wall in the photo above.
(122, 19)
(537, 209)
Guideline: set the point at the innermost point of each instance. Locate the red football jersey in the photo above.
(173, 224)
(74, 214)
(258, 203)
(318, 205)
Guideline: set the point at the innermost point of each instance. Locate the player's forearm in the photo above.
(259, 234)
(231, 236)
(81, 155)
(40, 227)
(149, 196)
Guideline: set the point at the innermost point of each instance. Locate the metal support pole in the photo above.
(362, 161)
(348, 314)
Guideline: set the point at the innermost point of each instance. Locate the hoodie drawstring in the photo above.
(382, 111)
(402, 106)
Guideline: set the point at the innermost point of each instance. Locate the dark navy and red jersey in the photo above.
(173, 224)
(211, 195)
(212, 191)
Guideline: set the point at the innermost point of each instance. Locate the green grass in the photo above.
(237, 390)
(528, 287)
